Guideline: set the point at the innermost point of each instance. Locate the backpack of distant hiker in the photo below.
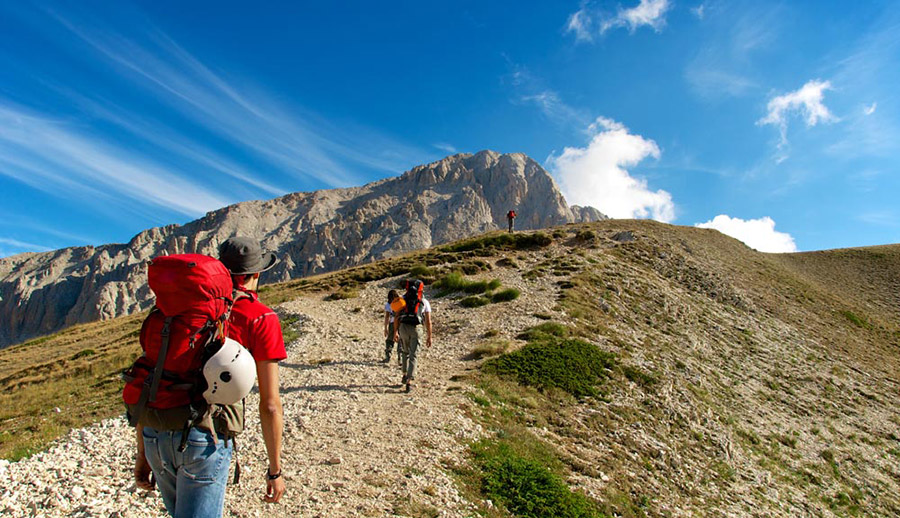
(189, 373)
(511, 214)
(414, 311)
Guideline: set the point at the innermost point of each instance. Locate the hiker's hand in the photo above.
(274, 490)
(428, 342)
(397, 337)
(142, 473)
(385, 332)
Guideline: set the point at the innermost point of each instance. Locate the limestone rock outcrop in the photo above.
(311, 232)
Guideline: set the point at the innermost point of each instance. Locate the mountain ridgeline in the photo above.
(311, 232)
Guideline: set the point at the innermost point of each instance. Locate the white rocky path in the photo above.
(354, 444)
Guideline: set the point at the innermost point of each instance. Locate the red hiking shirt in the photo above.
(257, 328)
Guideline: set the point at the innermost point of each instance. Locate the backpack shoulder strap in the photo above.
(151, 383)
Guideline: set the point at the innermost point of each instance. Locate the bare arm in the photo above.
(428, 329)
(270, 416)
(141, 466)
(387, 322)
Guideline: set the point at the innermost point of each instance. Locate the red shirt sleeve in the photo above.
(267, 343)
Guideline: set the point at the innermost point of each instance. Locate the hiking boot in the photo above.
(385, 360)
(404, 380)
(409, 386)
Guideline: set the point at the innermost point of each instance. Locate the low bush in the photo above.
(474, 301)
(505, 295)
(490, 348)
(347, 292)
(547, 330)
(572, 365)
(502, 241)
(454, 282)
(525, 486)
(508, 262)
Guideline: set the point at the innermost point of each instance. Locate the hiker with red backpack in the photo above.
(510, 217)
(408, 329)
(204, 342)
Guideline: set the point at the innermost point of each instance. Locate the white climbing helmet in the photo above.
(230, 374)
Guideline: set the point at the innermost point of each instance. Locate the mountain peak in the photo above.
(312, 232)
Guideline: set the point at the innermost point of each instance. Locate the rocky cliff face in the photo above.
(311, 232)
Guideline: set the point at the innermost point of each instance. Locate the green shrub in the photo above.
(420, 270)
(544, 331)
(347, 292)
(572, 365)
(84, 353)
(287, 328)
(508, 262)
(490, 348)
(503, 241)
(638, 376)
(474, 301)
(525, 486)
(454, 282)
(505, 295)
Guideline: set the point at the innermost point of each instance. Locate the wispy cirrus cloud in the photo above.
(587, 21)
(294, 140)
(530, 90)
(55, 157)
(807, 101)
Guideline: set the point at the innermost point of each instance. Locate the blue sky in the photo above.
(777, 123)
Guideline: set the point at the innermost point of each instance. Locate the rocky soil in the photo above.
(355, 444)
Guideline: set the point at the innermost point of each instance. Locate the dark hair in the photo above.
(392, 295)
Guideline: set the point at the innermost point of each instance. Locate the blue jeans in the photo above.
(192, 483)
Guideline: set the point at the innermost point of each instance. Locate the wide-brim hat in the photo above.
(243, 256)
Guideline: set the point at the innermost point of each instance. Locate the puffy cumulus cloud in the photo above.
(759, 234)
(597, 174)
(808, 101)
(651, 13)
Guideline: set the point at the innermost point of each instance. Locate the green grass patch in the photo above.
(505, 295)
(344, 293)
(545, 331)
(454, 283)
(638, 376)
(571, 365)
(856, 319)
(288, 331)
(490, 348)
(520, 479)
(475, 301)
(501, 241)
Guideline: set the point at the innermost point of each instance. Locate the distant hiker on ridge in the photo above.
(408, 329)
(393, 300)
(208, 332)
(511, 217)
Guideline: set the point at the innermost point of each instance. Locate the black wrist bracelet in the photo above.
(272, 476)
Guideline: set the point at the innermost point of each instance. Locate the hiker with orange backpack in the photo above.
(408, 329)
(204, 342)
(394, 305)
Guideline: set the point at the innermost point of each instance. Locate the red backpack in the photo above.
(194, 295)
(511, 214)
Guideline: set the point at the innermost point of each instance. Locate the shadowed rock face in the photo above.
(311, 232)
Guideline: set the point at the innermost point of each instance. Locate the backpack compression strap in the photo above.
(151, 384)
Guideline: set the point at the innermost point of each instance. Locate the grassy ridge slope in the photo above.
(743, 382)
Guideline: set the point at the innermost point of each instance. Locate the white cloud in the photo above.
(869, 110)
(651, 13)
(580, 23)
(699, 11)
(759, 234)
(31, 247)
(445, 147)
(596, 175)
(807, 101)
